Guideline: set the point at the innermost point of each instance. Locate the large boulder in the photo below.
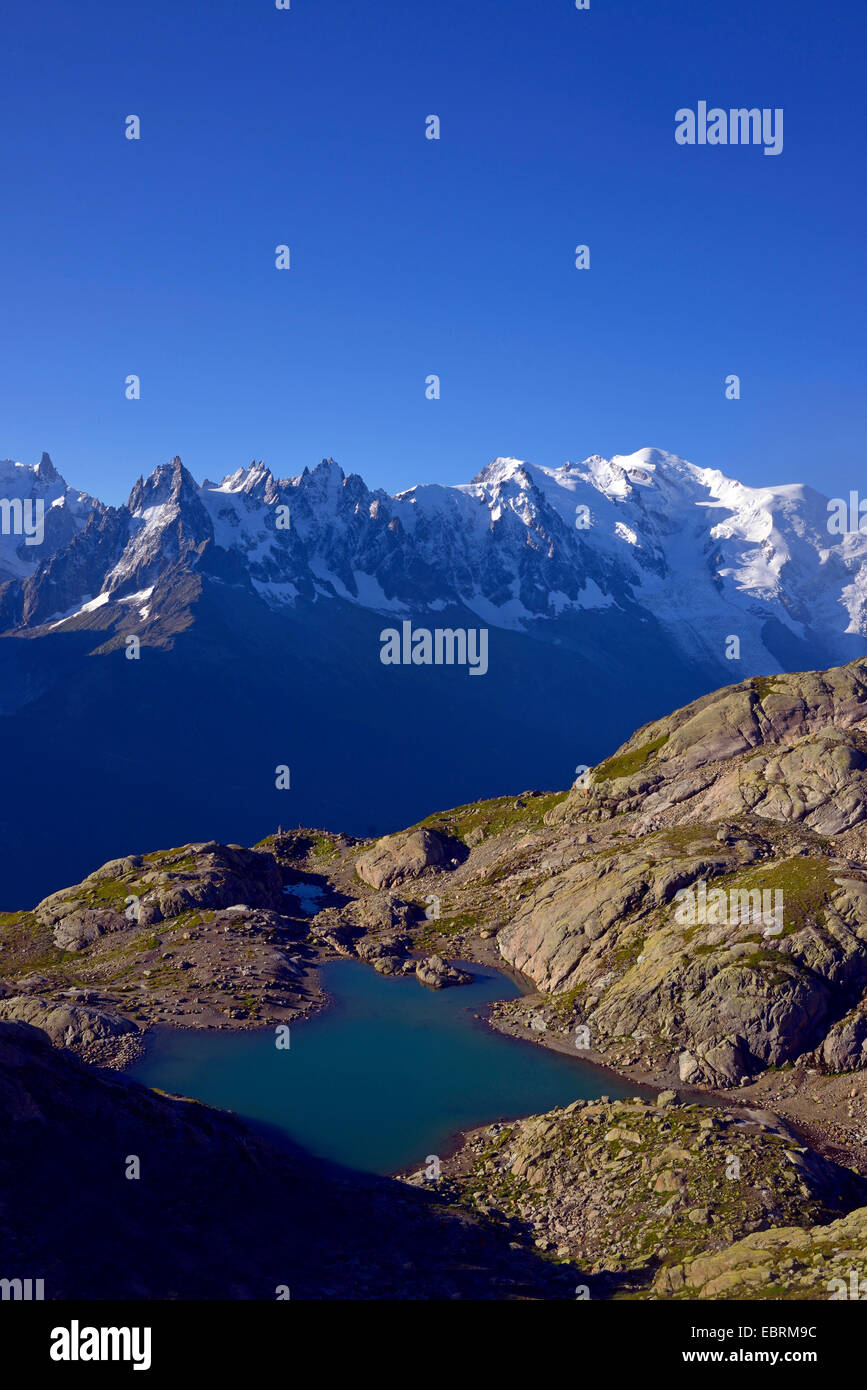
(389, 955)
(438, 974)
(845, 1046)
(398, 857)
(221, 876)
(78, 929)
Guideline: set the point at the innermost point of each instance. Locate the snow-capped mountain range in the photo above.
(610, 589)
(647, 534)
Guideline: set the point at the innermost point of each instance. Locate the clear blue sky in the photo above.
(411, 256)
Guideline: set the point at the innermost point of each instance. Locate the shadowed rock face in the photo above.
(219, 1210)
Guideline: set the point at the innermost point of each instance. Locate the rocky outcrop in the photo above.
(786, 748)
(628, 1187)
(845, 1045)
(202, 934)
(213, 876)
(755, 798)
(437, 974)
(738, 991)
(157, 887)
(400, 857)
(74, 1026)
(78, 927)
(389, 955)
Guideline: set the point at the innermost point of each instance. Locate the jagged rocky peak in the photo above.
(167, 522)
(255, 478)
(45, 470)
(329, 473)
(169, 482)
(26, 480)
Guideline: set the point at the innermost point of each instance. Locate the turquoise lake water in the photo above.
(389, 1073)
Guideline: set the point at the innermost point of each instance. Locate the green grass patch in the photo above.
(105, 893)
(493, 817)
(626, 956)
(324, 847)
(566, 1003)
(25, 945)
(461, 922)
(625, 764)
(806, 885)
(763, 685)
